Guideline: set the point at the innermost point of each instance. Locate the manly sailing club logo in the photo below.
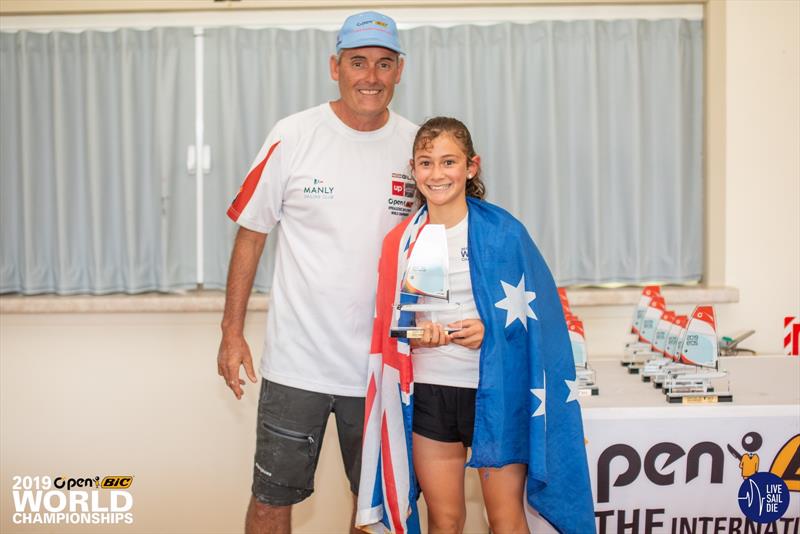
(318, 190)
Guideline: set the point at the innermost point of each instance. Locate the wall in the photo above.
(762, 219)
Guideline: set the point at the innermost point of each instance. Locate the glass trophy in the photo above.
(584, 374)
(425, 286)
(699, 379)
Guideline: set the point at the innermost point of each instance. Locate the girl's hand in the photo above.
(433, 336)
(470, 335)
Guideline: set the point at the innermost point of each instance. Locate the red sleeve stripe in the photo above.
(249, 186)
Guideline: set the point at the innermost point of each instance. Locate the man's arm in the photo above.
(233, 349)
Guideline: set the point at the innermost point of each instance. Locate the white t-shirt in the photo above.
(451, 364)
(332, 193)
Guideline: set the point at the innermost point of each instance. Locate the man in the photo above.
(332, 180)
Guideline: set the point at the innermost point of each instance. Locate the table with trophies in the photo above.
(653, 462)
(681, 419)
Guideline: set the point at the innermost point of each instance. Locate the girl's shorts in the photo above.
(444, 413)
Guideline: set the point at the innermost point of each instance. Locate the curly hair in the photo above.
(437, 126)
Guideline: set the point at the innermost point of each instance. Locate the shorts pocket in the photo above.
(286, 457)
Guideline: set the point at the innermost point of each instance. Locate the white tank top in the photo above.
(451, 365)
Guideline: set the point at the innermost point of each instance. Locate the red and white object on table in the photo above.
(791, 335)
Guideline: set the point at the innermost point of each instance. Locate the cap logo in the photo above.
(375, 22)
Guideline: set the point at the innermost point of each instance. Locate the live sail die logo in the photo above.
(763, 497)
(87, 500)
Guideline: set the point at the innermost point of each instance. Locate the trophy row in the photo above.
(677, 353)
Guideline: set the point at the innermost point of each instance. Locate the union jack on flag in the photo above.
(387, 499)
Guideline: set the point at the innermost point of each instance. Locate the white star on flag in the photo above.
(517, 302)
(573, 390)
(540, 394)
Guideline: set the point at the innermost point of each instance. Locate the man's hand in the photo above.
(470, 335)
(432, 336)
(233, 352)
(233, 349)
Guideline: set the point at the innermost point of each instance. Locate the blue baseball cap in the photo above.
(369, 28)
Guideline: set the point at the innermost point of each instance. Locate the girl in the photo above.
(447, 170)
(499, 385)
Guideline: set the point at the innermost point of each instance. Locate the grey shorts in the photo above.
(291, 425)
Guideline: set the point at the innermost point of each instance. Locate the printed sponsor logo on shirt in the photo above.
(398, 189)
(403, 185)
(401, 208)
(318, 190)
(402, 195)
(464, 254)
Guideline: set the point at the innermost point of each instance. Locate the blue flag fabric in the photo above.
(526, 407)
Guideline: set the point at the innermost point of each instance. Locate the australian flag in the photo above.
(526, 407)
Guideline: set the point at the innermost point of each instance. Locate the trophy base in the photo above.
(699, 398)
(413, 332)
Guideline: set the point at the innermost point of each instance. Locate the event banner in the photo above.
(693, 470)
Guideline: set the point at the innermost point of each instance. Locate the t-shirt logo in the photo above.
(403, 185)
(402, 197)
(318, 190)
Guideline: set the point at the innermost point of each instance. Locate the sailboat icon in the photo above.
(752, 495)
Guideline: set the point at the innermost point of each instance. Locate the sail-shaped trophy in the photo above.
(426, 278)
(700, 352)
(584, 374)
(639, 343)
